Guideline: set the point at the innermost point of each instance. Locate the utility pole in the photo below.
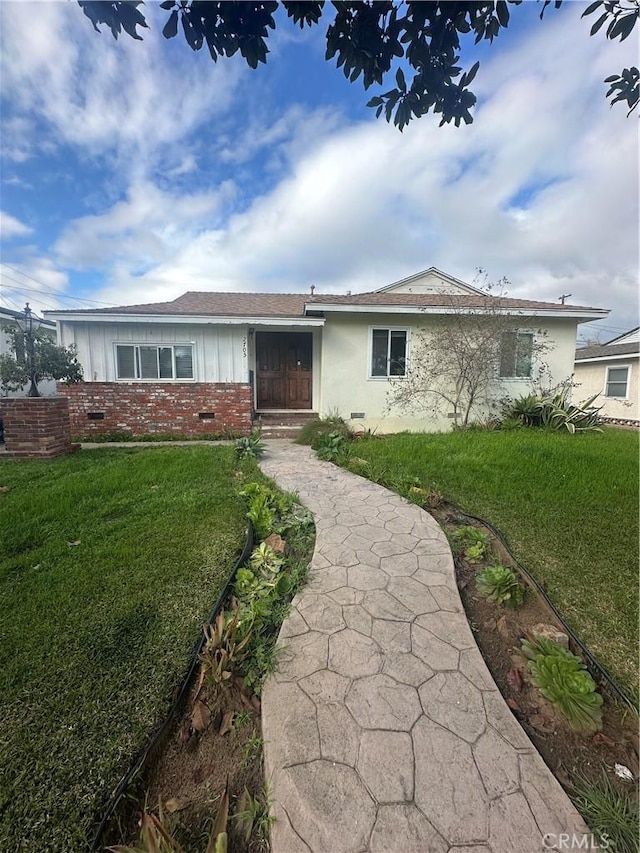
(564, 296)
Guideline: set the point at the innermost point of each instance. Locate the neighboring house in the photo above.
(8, 318)
(611, 370)
(207, 362)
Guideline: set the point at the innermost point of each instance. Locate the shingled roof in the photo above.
(598, 351)
(215, 304)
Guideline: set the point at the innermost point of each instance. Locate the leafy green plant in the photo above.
(563, 679)
(500, 584)
(252, 816)
(612, 814)
(250, 445)
(331, 446)
(224, 651)
(265, 560)
(554, 411)
(261, 516)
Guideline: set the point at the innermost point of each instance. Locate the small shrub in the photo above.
(250, 445)
(500, 584)
(312, 431)
(562, 678)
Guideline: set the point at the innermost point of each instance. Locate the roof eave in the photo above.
(184, 319)
(579, 314)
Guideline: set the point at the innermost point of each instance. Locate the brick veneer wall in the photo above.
(157, 408)
(36, 427)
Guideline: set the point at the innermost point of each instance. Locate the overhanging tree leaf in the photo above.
(367, 39)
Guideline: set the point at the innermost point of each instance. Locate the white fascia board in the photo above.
(596, 314)
(620, 357)
(175, 319)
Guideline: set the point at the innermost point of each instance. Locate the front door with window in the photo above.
(283, 370)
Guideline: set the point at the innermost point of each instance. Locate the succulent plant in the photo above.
(563, 679)
(500, 584)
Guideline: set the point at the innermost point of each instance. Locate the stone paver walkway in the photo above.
(383, 728)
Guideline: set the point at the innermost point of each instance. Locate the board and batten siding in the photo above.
(220, 352)
(348, 388)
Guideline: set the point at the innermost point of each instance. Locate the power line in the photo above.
(52, 290)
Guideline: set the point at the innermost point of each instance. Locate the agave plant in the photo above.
(562, 678)
(554, 411)
(500, 584)
(250, 445)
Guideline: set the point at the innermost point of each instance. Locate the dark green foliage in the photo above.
(501, 584)
(331, 446)
(312, 431)
(563, 679)
(50, 361)
(370, 42)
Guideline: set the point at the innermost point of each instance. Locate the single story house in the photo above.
(8, 320)
(611, 370)
(209, 362)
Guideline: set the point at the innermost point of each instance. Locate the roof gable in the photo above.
(430, 281)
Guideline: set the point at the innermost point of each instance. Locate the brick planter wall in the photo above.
(158, 408)
(36, 427)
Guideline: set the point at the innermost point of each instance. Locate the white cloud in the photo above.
(11, 227)
(144, 229)
(137, 100)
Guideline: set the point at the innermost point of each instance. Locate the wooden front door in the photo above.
(283, 370)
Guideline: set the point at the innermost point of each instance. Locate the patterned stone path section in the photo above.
(384, 731)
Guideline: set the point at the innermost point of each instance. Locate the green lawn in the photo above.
(567, 504)
(109, 561)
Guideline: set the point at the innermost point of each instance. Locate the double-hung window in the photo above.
(617, 384)
(516, 355)
(388, 352)
(144, 361)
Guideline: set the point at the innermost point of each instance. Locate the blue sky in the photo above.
(133, 171)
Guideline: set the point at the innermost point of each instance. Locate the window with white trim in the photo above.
(516, 355)
(617, 384)
(144, 361)
(388, 352)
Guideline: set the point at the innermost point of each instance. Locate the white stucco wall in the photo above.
(346, 386)
(221, 353)
(591, 379)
